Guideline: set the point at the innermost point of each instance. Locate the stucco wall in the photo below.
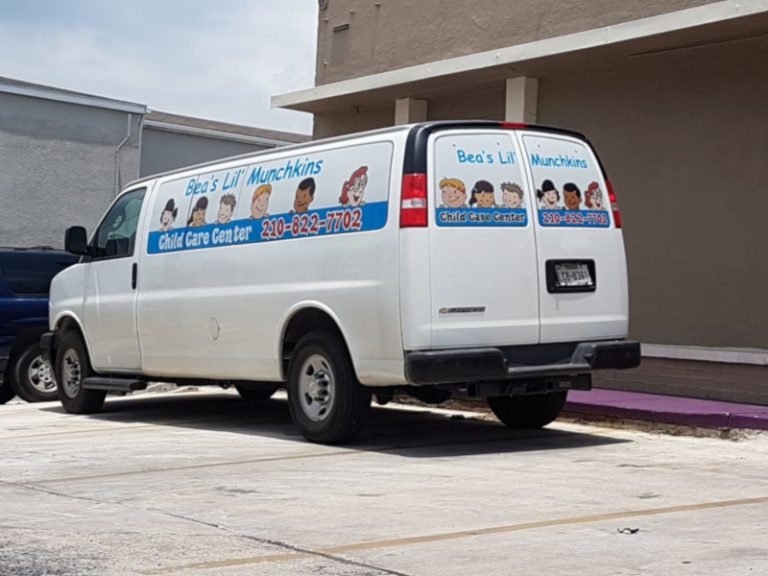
(685, 142)
(57, 167)
(396, 33)
(162, 150)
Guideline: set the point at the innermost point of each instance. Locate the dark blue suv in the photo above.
(25, 278)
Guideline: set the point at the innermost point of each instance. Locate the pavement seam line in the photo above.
(293, 551)
(429, 538)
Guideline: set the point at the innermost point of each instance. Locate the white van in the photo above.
(480, 259)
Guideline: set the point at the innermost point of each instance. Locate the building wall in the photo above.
(162, 150)
(685, 141)
(57, 167)
(390, 34)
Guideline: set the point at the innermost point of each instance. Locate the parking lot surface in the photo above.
(204, 484)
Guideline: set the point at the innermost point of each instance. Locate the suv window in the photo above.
(116, 235)
(32, 272)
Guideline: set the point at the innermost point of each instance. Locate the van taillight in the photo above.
(614, 204)
(413, 201)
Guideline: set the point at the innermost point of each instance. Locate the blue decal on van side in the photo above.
(337, 220)
(574, 218)
(495, 216)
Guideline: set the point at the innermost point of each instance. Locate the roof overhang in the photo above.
(719, 22)
(58, 95)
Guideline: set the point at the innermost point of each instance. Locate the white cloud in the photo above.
(214, 59)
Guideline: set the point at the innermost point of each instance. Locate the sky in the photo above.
(215, 59)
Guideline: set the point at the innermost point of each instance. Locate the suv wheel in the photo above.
(72, 367)
(326, 401)
(534, 411)
(32, 377)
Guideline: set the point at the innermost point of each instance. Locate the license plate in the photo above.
(573, 275)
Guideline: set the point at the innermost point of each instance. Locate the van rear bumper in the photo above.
(517, 362)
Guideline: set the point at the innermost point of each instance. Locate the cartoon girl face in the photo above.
(198, 217)
(357, 189)
(511, 199)
(260, 205)
(549, 200)
(166, 220)
(594, 198)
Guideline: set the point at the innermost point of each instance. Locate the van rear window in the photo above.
(479, 181)
(570, 190)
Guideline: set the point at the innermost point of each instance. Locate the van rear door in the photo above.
(484, 282)
(582, 267)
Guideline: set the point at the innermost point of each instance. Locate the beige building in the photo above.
(674, 95)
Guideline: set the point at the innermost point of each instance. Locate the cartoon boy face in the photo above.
(260, 205)
(597, 200)
(224, 214)
(571, 199)
(511, 199)
(302, 200)
(357, 189)
(453, 197)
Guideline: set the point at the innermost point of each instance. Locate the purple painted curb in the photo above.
(668, 409)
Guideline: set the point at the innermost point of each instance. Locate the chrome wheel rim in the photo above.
(316, 387)
(40, 376)
(71, 373)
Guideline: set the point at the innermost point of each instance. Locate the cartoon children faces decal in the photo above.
(548, 195)
(168, 215)
(305, 193)
(198, 213)
(571, 196)
(260, 201)
(482, 195)
(511, 195)
(226, 209)
(454, 193)
(593, 196)
(353, 189)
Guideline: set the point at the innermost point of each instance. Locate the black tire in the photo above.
(6, 393)
(340, 418)
(31, 378)
(256, 392)
(72, 367)
(528, 412)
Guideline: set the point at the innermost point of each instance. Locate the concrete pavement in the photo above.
(201, 483)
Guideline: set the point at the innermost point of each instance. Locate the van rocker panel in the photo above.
(514, 362)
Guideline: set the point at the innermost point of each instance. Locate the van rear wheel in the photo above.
(326, 401)
(72, 367)
(528, 412)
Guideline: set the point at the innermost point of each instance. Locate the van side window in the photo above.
(116, 235)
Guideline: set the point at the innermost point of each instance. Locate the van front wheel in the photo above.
(72, 367)
(527, 412)
(326, 401)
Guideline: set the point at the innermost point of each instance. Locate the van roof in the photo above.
(422, 128)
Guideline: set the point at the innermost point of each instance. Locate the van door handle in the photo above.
(134, 274)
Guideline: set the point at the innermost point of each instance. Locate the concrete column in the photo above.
(410, 110)
(522, 99)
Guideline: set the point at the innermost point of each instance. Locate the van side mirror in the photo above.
(76, 240)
